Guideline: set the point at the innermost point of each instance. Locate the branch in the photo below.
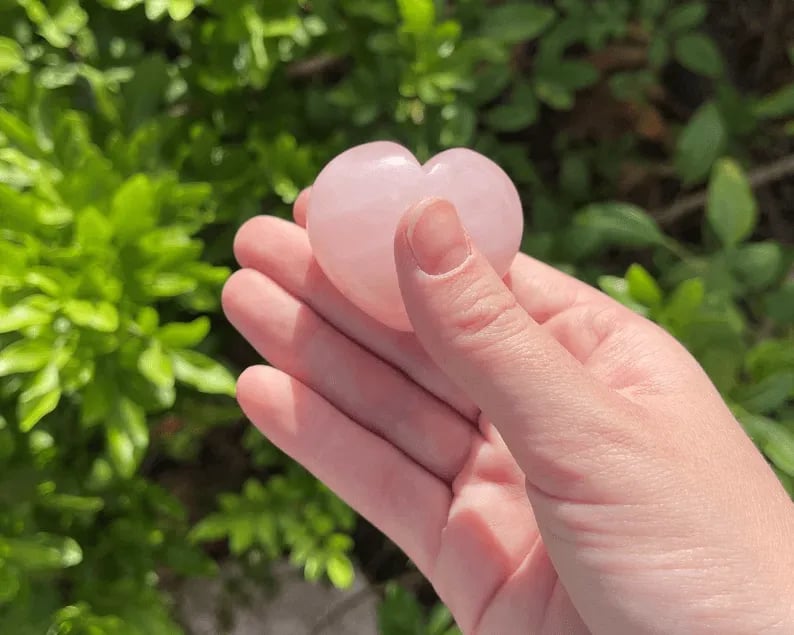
(313, 66)
(759, 177)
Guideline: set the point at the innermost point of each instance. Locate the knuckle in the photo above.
(583, 328)
(599, 320)
(604, 321)
(484, 316)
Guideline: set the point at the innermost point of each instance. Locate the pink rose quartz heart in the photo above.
(360, 196)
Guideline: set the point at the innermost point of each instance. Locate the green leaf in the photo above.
(202, 373)
(22, 316)
(699, 54)
(12, 57)
(731, 210)
(618, 289)
(686, 17)
(19, 133)
(516, 21)
(180, 9)
(41, 552)
(572, 74)
(98, 316)
(418, 16)
(133, 210)
(155, 365)
(758, 265)
(241, 535)
(143, 95)
(700, 144)
(24, 356)
(780, 304)
(54, 215)
(491, 82)
(658, 52)
(774, 440)
(620, 224)
(557, 83)
(778, 104)
(722, 366)
(98, 397)
(72, 503)
(58, 76)
(339, 543)
(554, 95)
(165, 285)
(340, 571)
(184, 334)
(39, 399)
(93, 231)
(459, 125)
(440, 621)
(9, 582)
(652, 9)
(643, 287)
(785, 480)
(127, 437)
(767, 395)
(512, 117)
(156, 8)
(213, 527)
(769, 357)
(399, 613)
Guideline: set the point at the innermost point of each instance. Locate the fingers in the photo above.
(301, 207)
(542, 290)
(293, 338)
(281, 251)
(370, 474)
(556, 420)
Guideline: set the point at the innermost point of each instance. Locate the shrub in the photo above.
(136, 135)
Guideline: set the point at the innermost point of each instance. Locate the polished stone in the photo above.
(360, 196)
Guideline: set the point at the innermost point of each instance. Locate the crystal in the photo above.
(359, 197)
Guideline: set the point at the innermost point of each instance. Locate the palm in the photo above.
(366, 411)
(499, 560)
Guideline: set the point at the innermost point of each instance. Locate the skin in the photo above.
(551, 461)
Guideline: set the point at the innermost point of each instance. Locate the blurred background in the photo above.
(653, 145)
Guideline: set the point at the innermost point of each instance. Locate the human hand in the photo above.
(551, 461)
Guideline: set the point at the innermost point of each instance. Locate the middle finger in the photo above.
(293, 338)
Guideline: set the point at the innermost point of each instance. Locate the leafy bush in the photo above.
(401, 614)
(136, 135)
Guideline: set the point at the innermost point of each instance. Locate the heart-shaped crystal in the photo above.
(359, 197)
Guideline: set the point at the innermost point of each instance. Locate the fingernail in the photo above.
(437, 238)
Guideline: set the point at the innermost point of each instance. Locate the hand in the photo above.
(551, 461)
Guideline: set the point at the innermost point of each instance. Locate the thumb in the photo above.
(557, 421)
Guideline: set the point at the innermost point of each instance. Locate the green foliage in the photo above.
(136, 135)
(700, 144)
(731, 207)
(290, 512)
(705, 309)
(401, 614)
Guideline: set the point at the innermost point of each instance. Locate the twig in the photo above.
(759, 177)
(336, 612)
(313, 66)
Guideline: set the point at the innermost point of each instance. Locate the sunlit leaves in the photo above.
(731, 210)
(700, 144)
